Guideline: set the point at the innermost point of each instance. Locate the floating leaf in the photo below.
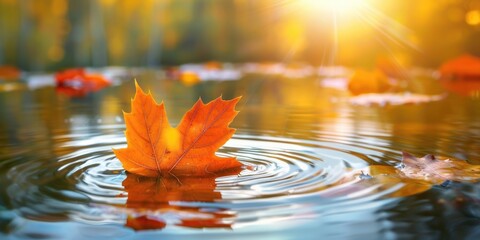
(464, 66)
(9, 72)
(77, 83)
(189, 78)
(67, 75)
(363, 81)
(156, 149)
(213, 65)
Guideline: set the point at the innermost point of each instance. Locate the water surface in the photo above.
(300, 139)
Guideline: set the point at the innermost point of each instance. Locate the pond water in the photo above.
(300, 138)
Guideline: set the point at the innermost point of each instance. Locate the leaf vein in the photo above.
(198, 138)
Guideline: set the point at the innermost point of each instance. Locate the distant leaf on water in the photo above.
(464, 66)
(8, 72)
(363, 81)
(189, 78)
(213, 65)
(78, 83)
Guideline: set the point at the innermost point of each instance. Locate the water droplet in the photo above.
(400, 166)
(446, 183)
(364, 176)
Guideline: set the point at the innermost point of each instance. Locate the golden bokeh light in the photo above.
(473, 17)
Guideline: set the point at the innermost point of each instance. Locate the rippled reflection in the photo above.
(152, 202)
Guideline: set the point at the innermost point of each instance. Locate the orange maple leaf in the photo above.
(156, 149)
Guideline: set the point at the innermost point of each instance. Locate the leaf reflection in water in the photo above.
(469, 87)
(154, 202)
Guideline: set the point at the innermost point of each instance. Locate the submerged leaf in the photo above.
(391, 178)
(418, 175)
(376, 179)
(155, 148)
(437, 170)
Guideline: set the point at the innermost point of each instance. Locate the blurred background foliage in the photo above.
(55, 34)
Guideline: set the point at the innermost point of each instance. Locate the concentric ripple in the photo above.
(283, 178)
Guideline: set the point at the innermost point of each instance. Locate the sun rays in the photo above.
(343, 24)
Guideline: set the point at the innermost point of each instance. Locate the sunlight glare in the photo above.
(340, 6)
